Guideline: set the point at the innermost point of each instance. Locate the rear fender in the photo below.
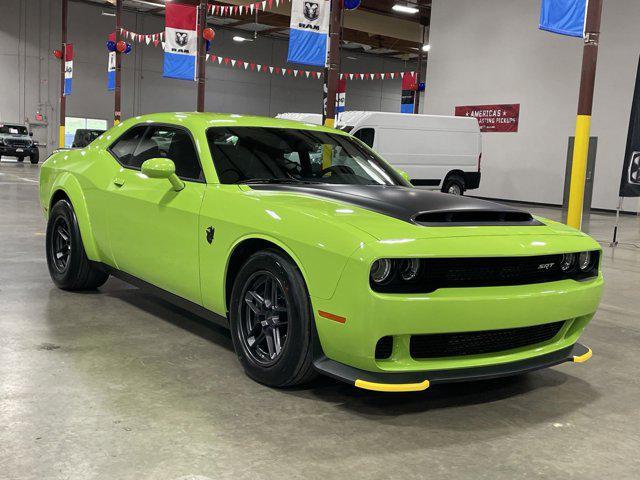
(68, 184)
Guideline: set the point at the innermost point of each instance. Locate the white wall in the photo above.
(487, 52)
(29, 74)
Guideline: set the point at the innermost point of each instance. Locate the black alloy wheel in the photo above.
(264, 318)
(271, 320)
(60, 245)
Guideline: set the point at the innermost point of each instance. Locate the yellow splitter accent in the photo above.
(583, 358)
(393, 387)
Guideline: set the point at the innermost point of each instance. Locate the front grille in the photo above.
(476, 343)
(438, 273)
(17, 142)
(384, 348)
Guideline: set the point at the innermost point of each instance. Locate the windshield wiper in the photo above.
(269, 180)
(277, 180)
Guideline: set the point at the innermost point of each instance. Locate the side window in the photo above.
(367, 135)
(172, 143)
(126, 144)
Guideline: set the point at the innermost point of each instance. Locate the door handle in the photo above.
(118, 182)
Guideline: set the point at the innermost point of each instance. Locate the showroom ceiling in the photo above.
(375, 27)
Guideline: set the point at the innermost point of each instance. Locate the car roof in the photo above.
(207, 120)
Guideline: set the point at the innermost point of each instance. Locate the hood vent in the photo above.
(465, 217)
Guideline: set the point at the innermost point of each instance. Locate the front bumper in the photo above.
(418, 381)
(367, 316)
(11, 151)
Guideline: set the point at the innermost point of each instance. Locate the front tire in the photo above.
(271, 321)
(69, 267)
(20, 159)
(34, 158)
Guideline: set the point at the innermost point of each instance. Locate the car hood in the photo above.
(392, 212)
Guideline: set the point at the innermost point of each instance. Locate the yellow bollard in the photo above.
(61, 137)
(579, 170)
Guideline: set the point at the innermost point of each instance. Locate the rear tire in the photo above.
(271, 321)
(69, 267)
(20, 159)
(453, 185)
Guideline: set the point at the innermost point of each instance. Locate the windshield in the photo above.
(280, 155)
(13, 129)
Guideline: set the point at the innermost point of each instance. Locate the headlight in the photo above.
(394, 272)
(409, 268)
(381, 270)
(584, 261)
(579, 264)
(567, 261)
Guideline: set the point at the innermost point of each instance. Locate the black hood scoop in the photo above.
(473, 217)
(413, 205)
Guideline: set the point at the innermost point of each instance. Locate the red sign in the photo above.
(493, 118)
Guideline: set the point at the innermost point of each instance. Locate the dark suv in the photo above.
(16, 141)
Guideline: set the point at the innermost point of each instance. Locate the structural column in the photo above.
(117, 112)
(332, 72)
(63, 103)
(583, 120)
(202, 52)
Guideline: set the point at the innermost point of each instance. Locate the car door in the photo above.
(153, 229)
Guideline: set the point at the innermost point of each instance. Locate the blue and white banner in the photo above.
(309, 34)
(68, 69)
(111, 66)
(565, 17)
(111, 72)
(180, 41)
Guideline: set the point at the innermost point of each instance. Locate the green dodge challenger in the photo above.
(318, 255)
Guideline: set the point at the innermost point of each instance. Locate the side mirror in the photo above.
(31, 134)
(404, 175)
(162, 168)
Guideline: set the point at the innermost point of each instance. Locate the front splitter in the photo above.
(418, 381)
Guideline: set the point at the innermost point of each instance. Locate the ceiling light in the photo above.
(405, 9)
(151, 4)
(426, 48)
(108, 14)
(241, 39)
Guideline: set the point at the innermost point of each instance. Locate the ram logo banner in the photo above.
(565, 17)
(111, 67)
(630, 182)
(68, 69)
(309, 35)
(181, 41)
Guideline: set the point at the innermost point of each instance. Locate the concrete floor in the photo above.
(119, 385)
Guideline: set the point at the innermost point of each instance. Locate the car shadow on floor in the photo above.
(551, 392)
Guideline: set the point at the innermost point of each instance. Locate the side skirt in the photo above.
(183, 303)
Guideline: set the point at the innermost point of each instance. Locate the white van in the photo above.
(437, 152)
